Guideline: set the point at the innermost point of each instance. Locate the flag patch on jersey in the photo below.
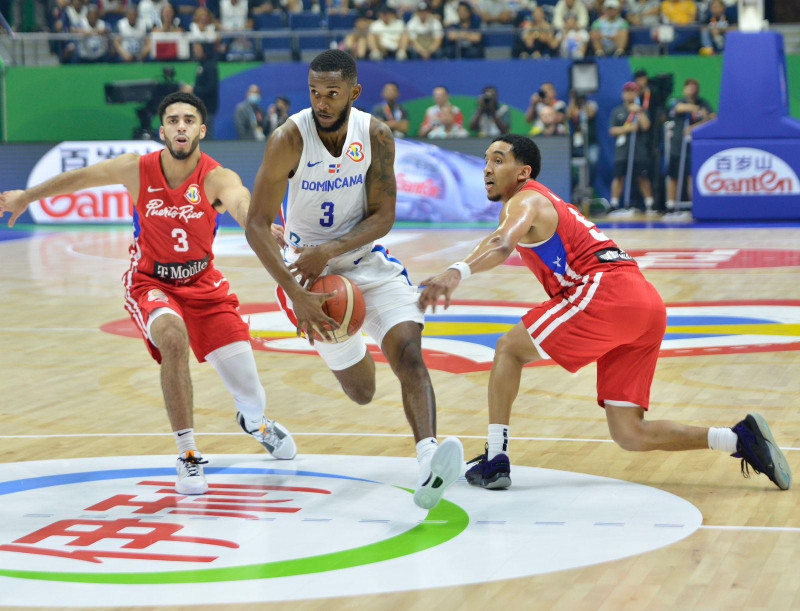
(193, 194)
(334, 168)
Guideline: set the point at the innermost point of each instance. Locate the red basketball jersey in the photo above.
(173, 229)
(576, 250)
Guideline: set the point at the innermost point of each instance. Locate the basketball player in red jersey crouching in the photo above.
(173, 292)
(601, 309)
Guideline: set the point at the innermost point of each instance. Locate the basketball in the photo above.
(346, 307)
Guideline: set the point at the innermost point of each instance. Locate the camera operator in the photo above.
(630, 126)
(546, 96)
(491, 118)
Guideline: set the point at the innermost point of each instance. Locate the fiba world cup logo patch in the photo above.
(193, 194)
(356, 151)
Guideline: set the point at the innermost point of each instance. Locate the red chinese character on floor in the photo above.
(154, 532)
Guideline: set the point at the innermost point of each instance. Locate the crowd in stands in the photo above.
(128, 31)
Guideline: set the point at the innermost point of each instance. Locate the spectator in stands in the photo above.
(629, 125)
(581, 119)
(687, 113)
(447, 10)
(609, 33)
(447, 127)
(546, 97)
(715, 27)
(388, 38)
(391, 112)
(425, 34)
(94, 42)
(570, 7)
(370, 9)
(535, 38)
(356, 43)
(76, 12)
(234, 17)
(249, 117)
(465, 39)
(277, 114)
(494, 12)
(150, 12)
(432, 118)
(491, 118)
(203, 29)
(572, 41)
(169, 47)
(644, 13)
(679, 12)
(132, 45)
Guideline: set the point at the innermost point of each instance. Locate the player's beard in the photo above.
(340, 120)
(180, 156)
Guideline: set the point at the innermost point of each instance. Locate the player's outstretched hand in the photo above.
(309, 265)
(310, 317)
(442, 285)
(13, 202)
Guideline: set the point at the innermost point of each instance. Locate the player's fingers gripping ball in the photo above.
(346, 307)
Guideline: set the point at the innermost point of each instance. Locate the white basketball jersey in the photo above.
(326, 197)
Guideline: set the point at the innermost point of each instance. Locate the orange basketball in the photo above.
(346, 307)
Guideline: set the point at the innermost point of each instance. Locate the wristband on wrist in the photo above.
(462, 268)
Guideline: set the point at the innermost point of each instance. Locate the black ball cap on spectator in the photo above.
(640, 72)
(388, 9)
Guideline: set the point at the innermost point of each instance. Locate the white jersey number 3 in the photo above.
(180, 237)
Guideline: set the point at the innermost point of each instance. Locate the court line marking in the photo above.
(753, 528)
(404, 435)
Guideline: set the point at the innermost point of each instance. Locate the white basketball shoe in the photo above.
(191, 479)
(276, 439)
(445, 466)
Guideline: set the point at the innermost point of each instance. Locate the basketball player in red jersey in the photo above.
(601, 309)
(173, 292)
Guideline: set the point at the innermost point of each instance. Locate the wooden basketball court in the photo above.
(72, 390)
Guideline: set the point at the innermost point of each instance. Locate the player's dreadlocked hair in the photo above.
(524, 150)
(335, 61)
(180, 97)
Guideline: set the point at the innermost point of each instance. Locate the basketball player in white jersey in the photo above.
(339, 164)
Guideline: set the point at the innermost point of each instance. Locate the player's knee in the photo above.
(361, 394)
(172, 340)
(410, 365)
(507, 347)
(628, 437)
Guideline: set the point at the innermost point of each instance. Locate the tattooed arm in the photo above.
(381, 189)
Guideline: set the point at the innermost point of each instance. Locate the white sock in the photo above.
(649, 202)
(722, 439)
(185, 440)
(614, 201)
(236, 366)
(671, 204)
(498, 440)
(425, 449)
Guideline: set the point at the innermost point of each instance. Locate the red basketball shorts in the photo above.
(208, 310)
(618, 319)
